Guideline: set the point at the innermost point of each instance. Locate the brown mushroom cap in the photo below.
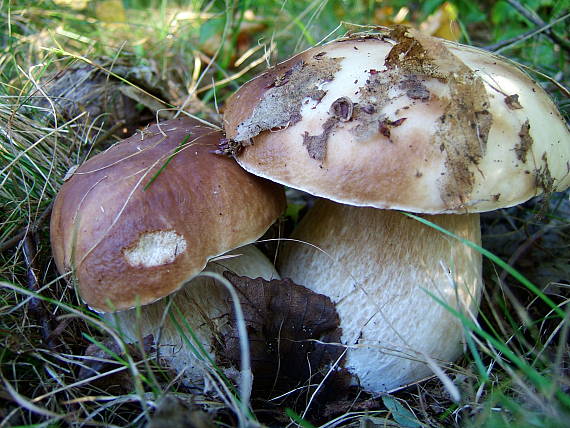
(402, 121)
(138, 221)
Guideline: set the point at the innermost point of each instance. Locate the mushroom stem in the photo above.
(386, 272)
(203, 306)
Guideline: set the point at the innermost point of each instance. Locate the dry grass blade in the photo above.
(246, 377)
(27, 404)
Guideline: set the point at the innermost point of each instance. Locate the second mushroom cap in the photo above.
(138, 221)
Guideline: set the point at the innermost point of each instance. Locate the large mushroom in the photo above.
(397, 121)
(139, 221)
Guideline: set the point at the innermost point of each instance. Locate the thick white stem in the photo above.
(205, 307)
(385, 273)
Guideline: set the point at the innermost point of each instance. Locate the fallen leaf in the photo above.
(443, 23)
(293, 333)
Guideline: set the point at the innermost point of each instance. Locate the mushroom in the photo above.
(397, 121)
(139, 221)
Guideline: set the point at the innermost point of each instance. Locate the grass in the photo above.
(153, 56)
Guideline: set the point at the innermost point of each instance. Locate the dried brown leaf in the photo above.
(293, 332)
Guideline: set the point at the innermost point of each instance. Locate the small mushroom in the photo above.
(429, 132)
(139, 221)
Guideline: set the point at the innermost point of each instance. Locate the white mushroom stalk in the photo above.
(391, 279)
(397, 120)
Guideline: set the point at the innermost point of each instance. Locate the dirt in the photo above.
(281, 104)
(317, 144)
(543, 176)
(522, 148)
(512, 102)
(463, 128)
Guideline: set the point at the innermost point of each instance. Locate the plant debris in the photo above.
(342, 109)
(293, 333)
(385, 126)
(281, 102)
(85, 89)
(512, 102)
(317, 144)
(228, 147)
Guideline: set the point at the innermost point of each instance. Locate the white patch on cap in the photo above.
(155, 249)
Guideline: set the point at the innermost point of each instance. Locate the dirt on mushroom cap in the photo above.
(433, 126)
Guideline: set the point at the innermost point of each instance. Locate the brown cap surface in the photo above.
(138, 221)
(402, 121)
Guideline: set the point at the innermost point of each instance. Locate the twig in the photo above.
(536, 20)
(505, 43)
(496, 47)
(530, 15)
(13, 241)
